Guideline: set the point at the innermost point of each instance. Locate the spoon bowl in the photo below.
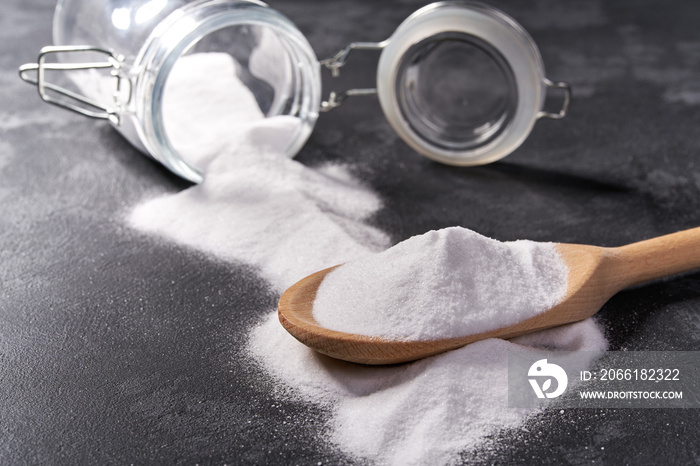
(595, 274)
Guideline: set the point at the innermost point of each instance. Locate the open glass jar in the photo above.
(461, 83)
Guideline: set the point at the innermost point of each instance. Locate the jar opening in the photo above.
(226, 80)
(214, 67)
(456, 91)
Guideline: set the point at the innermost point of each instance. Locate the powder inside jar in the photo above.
(442, 284)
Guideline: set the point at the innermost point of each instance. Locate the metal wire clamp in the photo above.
(336, 62)
(89, 107)
(565, 105)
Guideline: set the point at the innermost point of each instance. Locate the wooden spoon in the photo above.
(595, 275)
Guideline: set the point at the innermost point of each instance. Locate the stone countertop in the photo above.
(108, 354)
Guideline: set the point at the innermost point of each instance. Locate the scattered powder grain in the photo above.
(442, 284)
(258, 207)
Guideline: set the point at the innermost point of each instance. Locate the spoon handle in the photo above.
(659, 257)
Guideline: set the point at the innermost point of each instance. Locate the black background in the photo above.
(116, 347)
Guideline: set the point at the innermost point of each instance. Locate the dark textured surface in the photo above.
(119, 348)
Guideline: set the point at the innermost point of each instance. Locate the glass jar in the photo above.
(461, 83)
(142, 43)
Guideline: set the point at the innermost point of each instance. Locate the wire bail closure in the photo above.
(336, 62)
(565, 105)
(91, 107)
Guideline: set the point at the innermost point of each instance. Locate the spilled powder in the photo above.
(426, 412)
(258, 207)
(442, 284)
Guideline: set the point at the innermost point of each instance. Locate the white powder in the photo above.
(258, 207)
(204, 103)
(442, 284)
(426, 412)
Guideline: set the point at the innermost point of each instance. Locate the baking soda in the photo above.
(258, 207)
(426, 412)
(442, 284)
(204, 104)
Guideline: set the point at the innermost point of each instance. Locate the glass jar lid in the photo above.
(462, 83)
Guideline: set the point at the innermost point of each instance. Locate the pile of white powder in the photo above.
(426, 412)
(258, 207)
(442, 284)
